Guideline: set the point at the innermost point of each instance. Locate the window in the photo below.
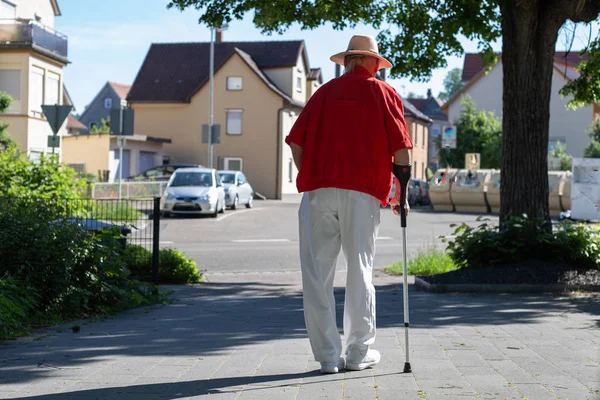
(10, 82)
(8, 10)
(242, 178)
(35, 155)
(423, 138)
(234, 122)
(415, 135)
(108, 103)
(92, 125)
(234, 83)
(52, 89)
(36, 90)
(233, 164)
(299, 84)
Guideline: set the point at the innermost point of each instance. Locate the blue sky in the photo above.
(108, 41)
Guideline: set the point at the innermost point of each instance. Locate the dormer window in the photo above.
(299, 84)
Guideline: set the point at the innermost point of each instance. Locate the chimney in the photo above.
(428, 93)
(219, 37)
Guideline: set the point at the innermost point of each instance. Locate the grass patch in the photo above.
(426, 262)
(115, 211)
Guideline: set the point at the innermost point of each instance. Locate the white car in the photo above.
(237, 189)
(194, 191)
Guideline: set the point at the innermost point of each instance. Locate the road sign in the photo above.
(216, 137)
(56, 115)
(53, 141)
(449, 136)
(472, 161)
(115, 121)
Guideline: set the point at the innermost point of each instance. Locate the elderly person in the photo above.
(348, 143)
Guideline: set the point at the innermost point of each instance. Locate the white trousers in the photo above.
(332, 219)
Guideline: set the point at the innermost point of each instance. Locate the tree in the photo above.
(418, 37)
(478, 132)
(452, 84)
(564, 159)
(593, 149)
(104, 127)
(6, 141)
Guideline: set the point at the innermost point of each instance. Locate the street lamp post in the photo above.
(211, 91)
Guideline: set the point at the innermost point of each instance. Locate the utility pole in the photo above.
(211, 99)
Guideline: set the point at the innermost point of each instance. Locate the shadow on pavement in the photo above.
(215, 319)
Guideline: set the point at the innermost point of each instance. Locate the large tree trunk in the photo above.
(529, 37)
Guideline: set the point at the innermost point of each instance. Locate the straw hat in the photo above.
(361, 44)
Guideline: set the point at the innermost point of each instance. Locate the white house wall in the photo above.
(299, 72)
(287, 162)
(29, 8)
(282, 77)
(566, 125)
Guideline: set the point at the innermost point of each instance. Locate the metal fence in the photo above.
(136, 222)
(129, 190)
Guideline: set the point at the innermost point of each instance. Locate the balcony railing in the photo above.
(24, 33)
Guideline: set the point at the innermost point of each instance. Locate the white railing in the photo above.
(130, 190)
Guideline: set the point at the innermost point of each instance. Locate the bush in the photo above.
(488, 245)
(16, 303)
(115, 211)
(174, 266)
(429, 262)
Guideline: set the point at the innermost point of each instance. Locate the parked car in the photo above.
(418, 192)
(194, 191)
(162, 173)
(237, 189)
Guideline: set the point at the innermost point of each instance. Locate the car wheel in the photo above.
(166, 214)
(235, 203)
(214, 215)
(250, 201)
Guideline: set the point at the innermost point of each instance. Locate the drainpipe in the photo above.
(278, 158)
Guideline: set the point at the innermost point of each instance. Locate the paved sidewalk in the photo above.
(243, 337)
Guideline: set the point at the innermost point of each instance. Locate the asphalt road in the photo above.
(265, 238)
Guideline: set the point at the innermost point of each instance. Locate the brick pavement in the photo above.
(242, 337)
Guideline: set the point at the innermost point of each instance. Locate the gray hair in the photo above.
(353, 61)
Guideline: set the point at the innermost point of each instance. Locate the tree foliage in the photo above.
(104, 127)
(593, 149)
(452, 84)
(564, 160)
(477, 132)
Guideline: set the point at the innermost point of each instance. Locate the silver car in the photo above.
(237, 189)
(194, 191)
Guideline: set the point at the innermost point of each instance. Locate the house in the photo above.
(418, 126)
(566, 125)
(74, 126)
(432, 107)
(259, 90)
(32, 58)
(111, 96)
(98, 154)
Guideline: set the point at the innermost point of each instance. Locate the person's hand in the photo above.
(395, 202)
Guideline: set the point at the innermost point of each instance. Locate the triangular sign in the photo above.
(56, 115)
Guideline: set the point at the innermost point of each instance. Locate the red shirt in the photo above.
(349, 130)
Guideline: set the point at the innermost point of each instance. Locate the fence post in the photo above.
(155, 239)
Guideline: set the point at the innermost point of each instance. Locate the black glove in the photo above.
(403, 173)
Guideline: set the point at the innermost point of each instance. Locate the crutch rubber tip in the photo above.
(407, 368)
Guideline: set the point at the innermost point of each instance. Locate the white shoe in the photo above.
(354, 363)
(333, 368)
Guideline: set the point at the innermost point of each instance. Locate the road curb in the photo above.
(502, 288)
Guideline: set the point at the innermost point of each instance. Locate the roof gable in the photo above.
(174, 72)
(430, 107)
(473, 63)
(121, 90)
(412, 111)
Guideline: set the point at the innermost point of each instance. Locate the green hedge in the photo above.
(174, 266)
(489, 245)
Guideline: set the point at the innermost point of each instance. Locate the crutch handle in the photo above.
(403, 173)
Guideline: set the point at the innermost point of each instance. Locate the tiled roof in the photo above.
(174, 72)
(474, 64)
(430, 107)
(314, 74)
(74, 123)
(412, 111)
(121, 90)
